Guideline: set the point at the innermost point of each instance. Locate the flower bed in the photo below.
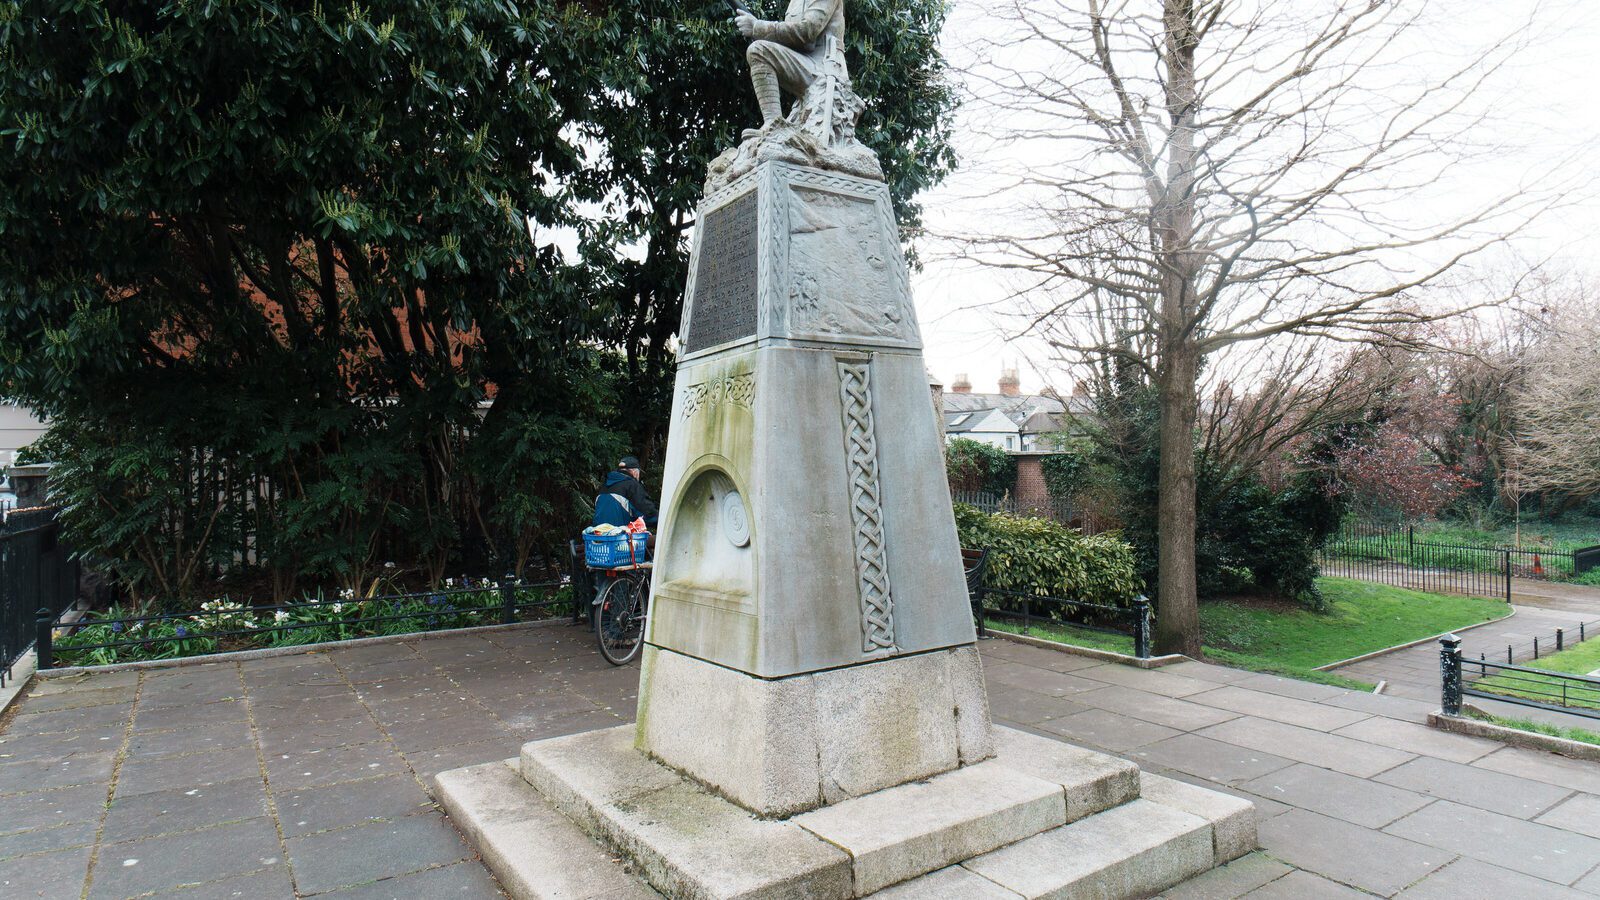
(116, 636)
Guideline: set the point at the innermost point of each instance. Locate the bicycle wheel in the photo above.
(619, 624)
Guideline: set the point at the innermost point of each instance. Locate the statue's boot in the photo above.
(765, 82)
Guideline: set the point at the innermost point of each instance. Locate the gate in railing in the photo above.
(37, 576)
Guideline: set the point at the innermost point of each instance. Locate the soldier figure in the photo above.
(790, 54)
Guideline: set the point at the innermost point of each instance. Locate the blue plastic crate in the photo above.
(610, 551)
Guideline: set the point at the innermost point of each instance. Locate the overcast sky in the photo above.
(1544, 116)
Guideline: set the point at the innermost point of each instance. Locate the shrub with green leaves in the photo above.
(975, 466)
(1038, 556)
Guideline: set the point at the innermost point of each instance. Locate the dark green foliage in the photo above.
(1250, 538)
(975, 466)
(322, 285)
(1038, 556)
(1070, 471)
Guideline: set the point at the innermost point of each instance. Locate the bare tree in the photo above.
(1558, 408)
(1212, 173)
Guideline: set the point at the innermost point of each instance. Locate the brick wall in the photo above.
(1031, 490)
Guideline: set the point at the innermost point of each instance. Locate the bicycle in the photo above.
(620, 612)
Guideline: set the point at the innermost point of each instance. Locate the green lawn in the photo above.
(1361, 618)
(1437, 541)
(1579, 660)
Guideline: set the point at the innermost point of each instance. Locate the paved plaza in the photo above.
(309, 775)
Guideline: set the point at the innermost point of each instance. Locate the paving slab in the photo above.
(1210, 759)
(1288, 710)
(1040, 681)
(218, 736)
(40, 840)
(1527, 847)
(465, 879)
(1108, 730)
(363, 853)
(1575, 774)
(149, 864)
(1305, 745)
(1305, 886)
(189, 715)
(294, 770)
(39, 774)
(1151, 681)
(46, 876)
(1355, 800)
(1350, 854)
(1292, 687)
(142, 775)
(184, 809)
(1154, 708)
(273, 881)
(1580, 813)
(1414, 738)
(116, 714)
(1467, 877)
(61, 806)
(1208, 672)
(1494, 791)
(350, 803)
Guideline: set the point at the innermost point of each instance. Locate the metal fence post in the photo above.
(43, 652)
(1507, 555)
(1560, 639)
(1141, 627)
(1450, 672)
(508, 600)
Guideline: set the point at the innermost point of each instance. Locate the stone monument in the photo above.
(812, 719)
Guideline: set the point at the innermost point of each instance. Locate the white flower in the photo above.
(280, 616)
(449, 582)
(338, 607)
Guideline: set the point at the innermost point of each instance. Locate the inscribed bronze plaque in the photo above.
(723, 308)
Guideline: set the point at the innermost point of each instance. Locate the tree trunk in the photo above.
(1177, 598)
(1178, 608)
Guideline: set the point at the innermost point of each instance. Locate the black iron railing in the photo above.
(1508, 683)
(1030, 611)
(1392, 555)
(38, 576)
(219, 626)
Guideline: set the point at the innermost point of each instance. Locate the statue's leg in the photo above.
(764, 77)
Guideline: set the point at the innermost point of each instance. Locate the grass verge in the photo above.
(1572, 734)
(1282, 639)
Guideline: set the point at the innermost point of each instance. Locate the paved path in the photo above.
(307, 775)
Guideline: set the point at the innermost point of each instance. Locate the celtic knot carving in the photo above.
(738, 389)
(866, 510)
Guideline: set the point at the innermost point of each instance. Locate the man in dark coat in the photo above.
(622, 498)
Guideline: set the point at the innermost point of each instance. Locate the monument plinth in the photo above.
(810, 637)
(812, 721)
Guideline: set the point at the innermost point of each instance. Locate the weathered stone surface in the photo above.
(687, 841)
(1135, 850)
(944, 884)
(534, 850)
(694, 845)
(1091, 781)
(582, 772)
(797, 743)
(1233, 820)
(768, 762)
(912, 829)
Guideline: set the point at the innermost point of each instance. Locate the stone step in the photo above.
(1042, 819)
(1134, 850)
(537, 853)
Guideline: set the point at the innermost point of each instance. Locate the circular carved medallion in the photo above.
(735, 523)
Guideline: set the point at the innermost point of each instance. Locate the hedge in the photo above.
(1042, 557)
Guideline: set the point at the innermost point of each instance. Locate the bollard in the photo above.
(1560, 639)
(508, 600)
(1141, 627)
(43, 652)
(1450, 674)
